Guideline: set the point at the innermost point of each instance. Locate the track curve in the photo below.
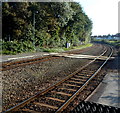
(63, 92)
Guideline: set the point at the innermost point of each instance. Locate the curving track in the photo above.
(14, 64)
(57, 97)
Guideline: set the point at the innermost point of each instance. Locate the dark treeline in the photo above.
(45, 24)
(103, 36)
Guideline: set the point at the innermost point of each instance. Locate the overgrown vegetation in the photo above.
(59, 49)
(14, 47)
(111, 42)
(32, 26)
(114, 43)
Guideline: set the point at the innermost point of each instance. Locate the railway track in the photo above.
(10, 65)
(82, 50)
(14, 64)
(56, 98)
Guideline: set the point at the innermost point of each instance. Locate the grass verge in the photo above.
(56, 49)
(65, 49)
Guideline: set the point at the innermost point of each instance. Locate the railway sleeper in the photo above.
(83, 77)
(28, 111)
(71, 85)
(61, 93)
(68, 89)
(62, 97)
(85, 74)
(45, 105)
(55, 99)
(65, 90)
(80, 79)
(76, 82)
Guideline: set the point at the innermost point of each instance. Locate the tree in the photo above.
(15, 18)
(45, 24)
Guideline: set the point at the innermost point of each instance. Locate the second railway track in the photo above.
(7, 66)
(13, 64)
(56, 98)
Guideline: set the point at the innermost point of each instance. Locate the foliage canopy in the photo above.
(45, 24)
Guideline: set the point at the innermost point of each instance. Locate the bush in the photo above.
(13, 47)
(9, 47)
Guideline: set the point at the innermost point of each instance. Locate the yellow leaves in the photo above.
(19, 21)
(18, 32)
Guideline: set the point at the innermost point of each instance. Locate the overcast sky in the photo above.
(103, 13)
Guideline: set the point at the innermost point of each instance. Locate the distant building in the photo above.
(107, 38)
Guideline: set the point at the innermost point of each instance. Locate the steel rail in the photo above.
(77, 51)
(9, 65)
(15, 108)
(74, 96)
(23, 61)
(26, 62)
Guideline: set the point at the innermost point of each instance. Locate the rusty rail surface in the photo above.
(7, 66)
(76, 83)
(10, 65)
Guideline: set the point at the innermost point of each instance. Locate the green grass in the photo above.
(111, 42)
(53, 49)
(57, 49)
(114, 43)
(65, 49)
(83, 46)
